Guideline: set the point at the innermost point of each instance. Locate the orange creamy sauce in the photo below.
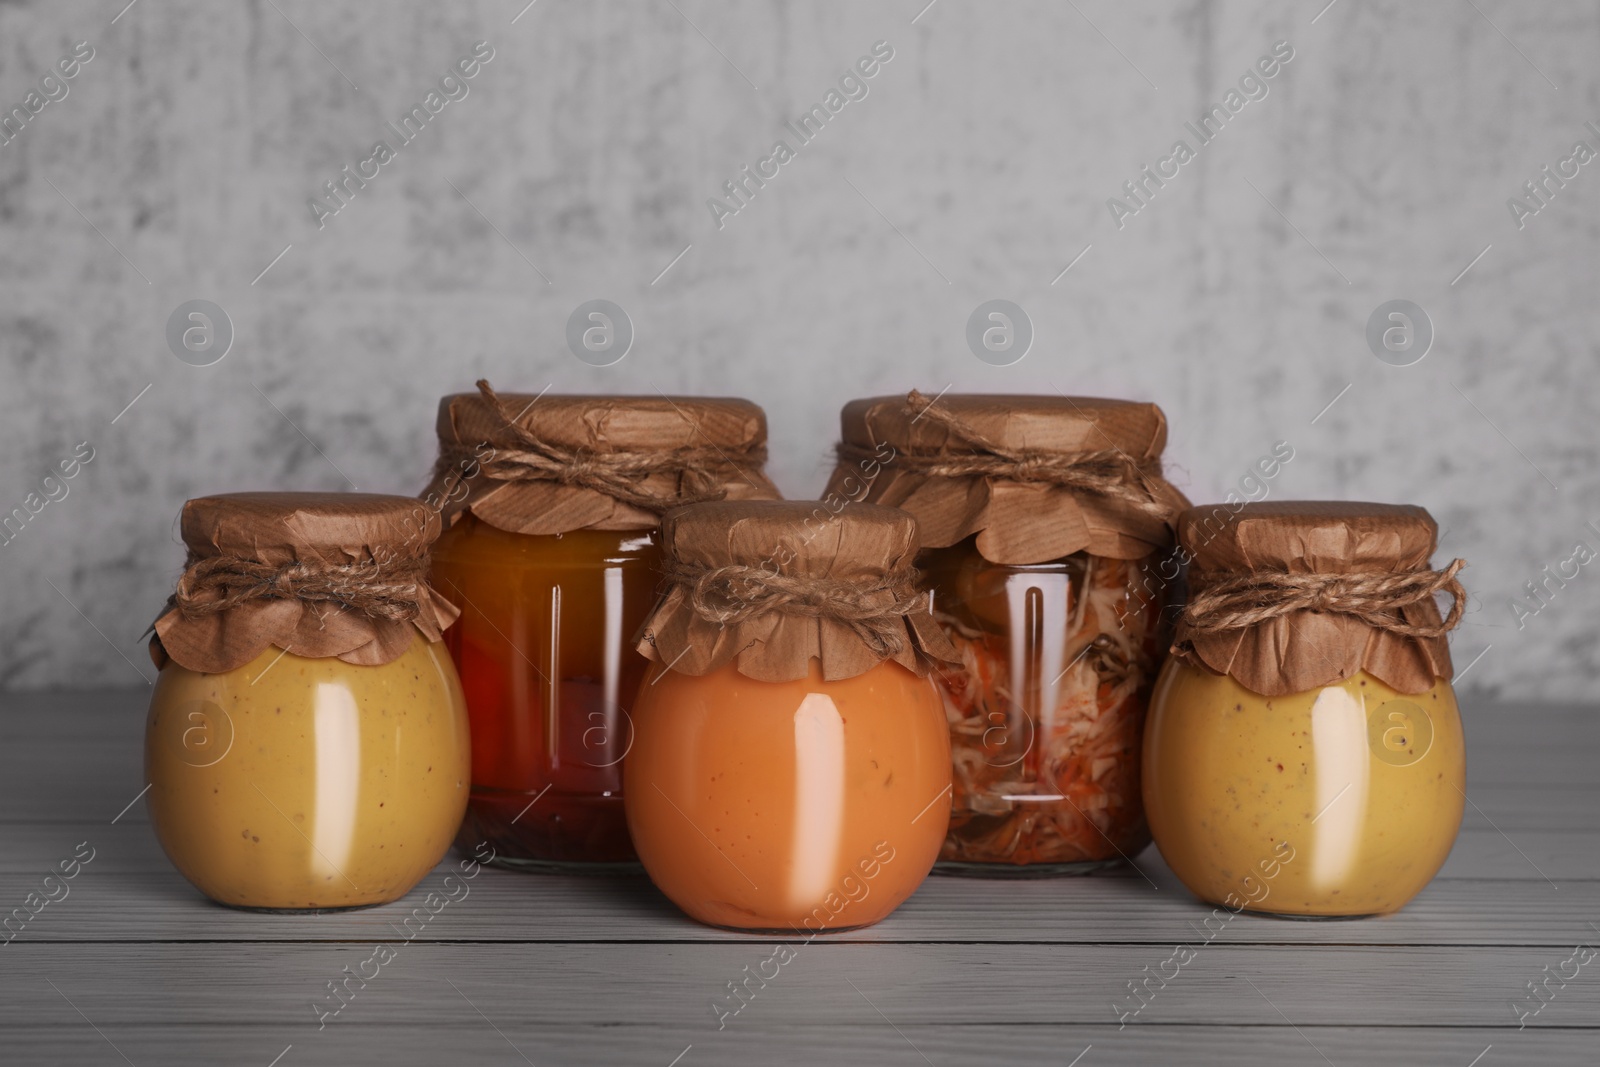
(294, 783)
(788, 805)
(1361, 785)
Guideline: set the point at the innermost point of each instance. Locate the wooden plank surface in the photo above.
(134, 966)
(112, 905)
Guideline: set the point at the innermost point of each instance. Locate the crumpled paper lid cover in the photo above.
(280, 529)
(1016, 522)
(861, 544)
(605, 424)
(1305, 650)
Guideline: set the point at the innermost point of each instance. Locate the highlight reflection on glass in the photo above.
(818, 798)
(1037, 608)
(337, 724)
(1340, 785)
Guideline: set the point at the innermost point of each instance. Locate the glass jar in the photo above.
(1339, 801)
(790, 766)
(1304, 755)
(542, 648)
(552, 505)
(306, 744)
(805, 804)
(298, 784)
(1046, 709)
(1048, 527)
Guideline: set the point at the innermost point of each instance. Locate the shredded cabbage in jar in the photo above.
(1047, 708)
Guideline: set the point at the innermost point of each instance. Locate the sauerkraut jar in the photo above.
(551, 505)
(1305, 755)
(1047, 530)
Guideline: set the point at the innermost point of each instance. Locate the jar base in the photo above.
(547, 831)
(966, 869)
(785, 931)
(303, 911)
(599, 869)
(1288, 916)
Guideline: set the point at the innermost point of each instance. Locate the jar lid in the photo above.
(1288, 596)
(772, 585)
(1036, 478)
(549, 464)
(317, 574)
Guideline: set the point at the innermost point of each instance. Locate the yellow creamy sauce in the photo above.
(308, 783)
(1340, 801)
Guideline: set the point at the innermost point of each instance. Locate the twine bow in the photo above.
(619, 475)
(395, 590)
(1375, 599)
(1109, 472)
(732, 594)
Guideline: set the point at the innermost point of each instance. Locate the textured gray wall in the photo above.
(978, 166)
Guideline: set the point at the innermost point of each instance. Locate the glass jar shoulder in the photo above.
(471, 542)
(1213, 715)
(277, 680)
(973, 592)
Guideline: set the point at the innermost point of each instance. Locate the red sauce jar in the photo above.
(551, 554)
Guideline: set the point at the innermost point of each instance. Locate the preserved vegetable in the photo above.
(1047, 706)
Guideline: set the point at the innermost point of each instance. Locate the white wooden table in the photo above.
(135, 966)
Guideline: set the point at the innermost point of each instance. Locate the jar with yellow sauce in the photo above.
(1304, 755)
(306, 744)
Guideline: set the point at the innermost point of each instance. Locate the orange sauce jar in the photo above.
(306, 745)
(552, 505)
(790, 767)
(1047, 528)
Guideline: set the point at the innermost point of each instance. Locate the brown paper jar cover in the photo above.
(1016, 522)
(868, 546)
(318, 530)
(735, 431)
(1305, 650)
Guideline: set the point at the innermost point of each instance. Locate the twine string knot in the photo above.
(620, 475)
(394, 590)
(1229, 604)
(1107, 472)
(873, 612)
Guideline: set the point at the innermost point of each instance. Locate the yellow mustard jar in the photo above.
(306, 745)
(1304, 754)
